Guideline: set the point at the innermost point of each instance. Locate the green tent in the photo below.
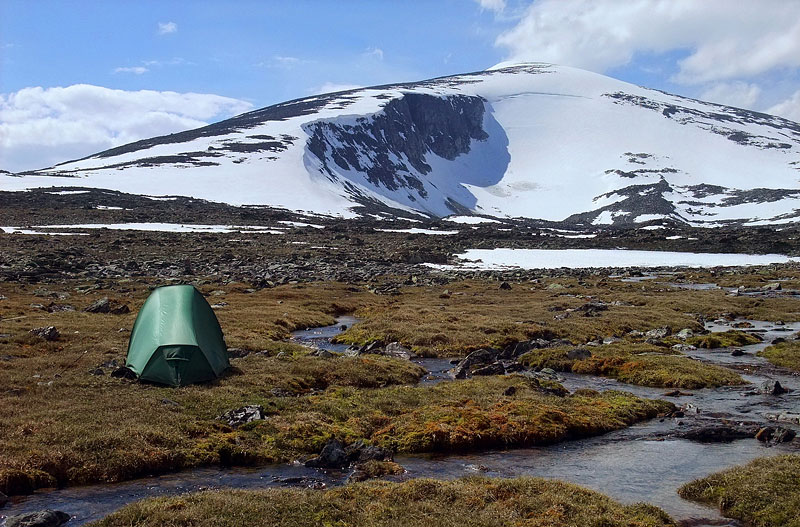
(176, 339)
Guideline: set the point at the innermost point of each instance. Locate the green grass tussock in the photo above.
(636, 363)
(469, 502)
(784, 354)
(763, 493)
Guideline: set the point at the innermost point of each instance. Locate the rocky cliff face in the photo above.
(391, 148)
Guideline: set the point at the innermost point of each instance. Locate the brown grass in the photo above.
(471, 502)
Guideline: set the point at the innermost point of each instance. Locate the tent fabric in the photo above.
(176, 339)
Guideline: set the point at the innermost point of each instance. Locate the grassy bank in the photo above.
(641, 364)
(763, 493)
(470, 314)
(784, 354)
(470, 502)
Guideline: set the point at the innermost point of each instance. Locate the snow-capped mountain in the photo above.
(522, 140)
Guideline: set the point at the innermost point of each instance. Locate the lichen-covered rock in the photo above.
(48, 333)
(245, 414)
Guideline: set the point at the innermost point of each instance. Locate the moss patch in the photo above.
(763, 493)
(470, 502)
(640, 364)
(784, 354)
(725, 339)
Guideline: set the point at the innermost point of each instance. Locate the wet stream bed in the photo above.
(642, 463)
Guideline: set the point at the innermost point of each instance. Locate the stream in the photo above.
(639, 463)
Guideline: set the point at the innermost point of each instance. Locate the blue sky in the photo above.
(263, 52)
(77, 77)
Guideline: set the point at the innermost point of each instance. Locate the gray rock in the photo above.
(495, 368)
(45, 518)
(658, 333)
(481, 356)
(333, 455)
(104, 305)
(123, 372)
(323, 354)
(505, 285)
(684, 334)
(771, 388)
(48, 333)
(245, 414)
(775, 435)
(579, 354)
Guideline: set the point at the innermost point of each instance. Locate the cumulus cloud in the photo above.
(165, 28)
(790, 108)
(137, 70)
(738, 93)
(723, 40)
(40, 127)
(498, 6)
(330, 87)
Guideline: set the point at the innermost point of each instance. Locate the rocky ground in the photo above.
(67, 304)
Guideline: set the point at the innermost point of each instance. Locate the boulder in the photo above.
(684, 334)
(579, 354)
(333, 455)
(104, 305)
(359, 452)
(245, 414)
(775, 435)
(48, 333)
(658, 333)
(45, 518)
(495, 368)
(505, 285)
(397, 350)
(481, 356)
(771, 388)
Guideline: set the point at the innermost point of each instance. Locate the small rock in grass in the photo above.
(123, 372)
(245, 414)
(505, 286)
(45, 518)
(48, 333)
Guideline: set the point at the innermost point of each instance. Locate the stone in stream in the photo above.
(775, 435)
(332, 456)
(45, 518)
(481, 356)
(737, 353)
(772, 388)
(336, 456)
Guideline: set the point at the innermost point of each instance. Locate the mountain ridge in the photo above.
(532, 140)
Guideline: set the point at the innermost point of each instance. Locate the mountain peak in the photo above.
(556, 143)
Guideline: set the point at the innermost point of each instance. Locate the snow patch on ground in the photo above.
(469, 220)
(416, 230)
(498, 259)
(151, 227)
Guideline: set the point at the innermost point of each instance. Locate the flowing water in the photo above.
(639, 463)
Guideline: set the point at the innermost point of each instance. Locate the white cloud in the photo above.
(137, 70)
(498, 6)
(40, 127)
(723, 39)
(376, 53)
(165, 28)
(790, 108)
(739, 94)
(330, 87)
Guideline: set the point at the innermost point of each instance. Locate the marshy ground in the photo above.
(65, 421)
